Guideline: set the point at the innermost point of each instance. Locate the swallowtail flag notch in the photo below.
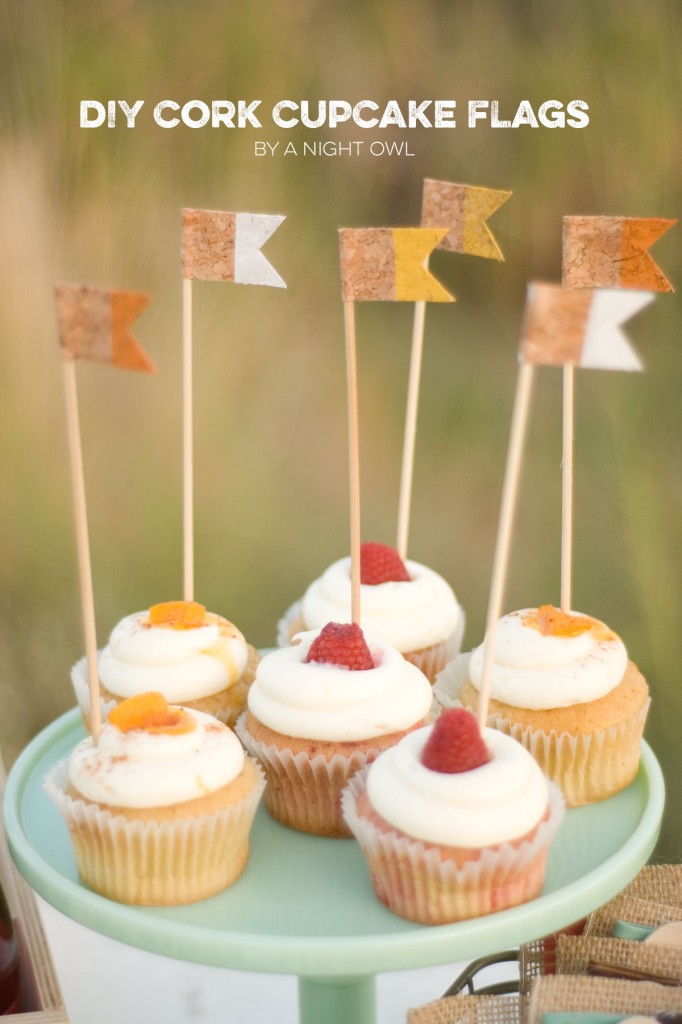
(580, 327)
(388, 265)
(464, 209)
(222, 246)
(95, 324)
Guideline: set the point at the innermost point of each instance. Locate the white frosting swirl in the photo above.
(311, 700)
(182, 664)
(499, 801)
(409, 615)
(144, 769)
(540, 672)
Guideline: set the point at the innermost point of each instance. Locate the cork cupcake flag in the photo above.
(464, 210)
(387, 265)
(605, 253)
(94, 324)
(216, 246)
(560, 327)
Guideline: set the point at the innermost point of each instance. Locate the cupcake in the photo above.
(563, 686)
(160, 807)
(320, 710)
(406, 604)
(191, 656)
(454, 824)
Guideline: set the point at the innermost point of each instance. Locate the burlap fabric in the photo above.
(632, 909)
(661, 883)
(469, 1010)
(557, 992)
(619, 958)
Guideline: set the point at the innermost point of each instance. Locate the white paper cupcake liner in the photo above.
(414, 881)
(304, 792)
(155, 863)
(587, 766)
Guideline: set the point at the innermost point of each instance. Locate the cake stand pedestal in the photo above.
(304, 904)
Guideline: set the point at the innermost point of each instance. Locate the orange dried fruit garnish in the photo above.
(177, 614)
(151, 712)
(551, 621)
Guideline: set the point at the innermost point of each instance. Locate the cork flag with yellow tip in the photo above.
(222, 246)
(388, 265)
(95, 324)
(581, 327)
(613, 252)
(464, 210)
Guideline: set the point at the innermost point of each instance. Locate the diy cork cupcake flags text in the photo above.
(608, 276)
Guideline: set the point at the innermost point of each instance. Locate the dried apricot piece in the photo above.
(151, 712)
(177, 614)
(551, 621)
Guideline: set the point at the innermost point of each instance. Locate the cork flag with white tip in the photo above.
(222, 246)
(581, 327)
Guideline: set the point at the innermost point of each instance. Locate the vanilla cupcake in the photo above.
(563, 686)
(406, 604)
(453, 824)
(322, 709)
(191, 656)
(160, 807)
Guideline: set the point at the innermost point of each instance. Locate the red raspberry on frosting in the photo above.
(341, 644)
(455, 743)
(380, 563)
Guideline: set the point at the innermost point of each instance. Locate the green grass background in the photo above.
(102, 207)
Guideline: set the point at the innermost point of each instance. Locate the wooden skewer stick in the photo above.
(410, 428)
(567, 489)
(524, 382)
(353, 455)
(187, 443)
(82, 545)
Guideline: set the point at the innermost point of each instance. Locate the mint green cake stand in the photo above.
(304, 904)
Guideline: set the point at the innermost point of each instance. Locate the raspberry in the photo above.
(343, 644)
(455, 743)
(380, 563)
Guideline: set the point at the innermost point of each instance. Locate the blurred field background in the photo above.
(102, 207)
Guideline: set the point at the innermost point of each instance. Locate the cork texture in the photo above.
(554, 325)
(84, 322)
(612, 252)
(464, 209)
(208, 245)
(367, 264)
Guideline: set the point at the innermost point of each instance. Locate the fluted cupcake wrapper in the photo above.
(586, 766)
(304, 792)
(430, 660)
(155, 863)
(418, 882)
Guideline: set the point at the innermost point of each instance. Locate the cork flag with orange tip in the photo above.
(95, 324)
(388, 265)
(580, 327)
(222, 246)
(464, 209)
(613, 252)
